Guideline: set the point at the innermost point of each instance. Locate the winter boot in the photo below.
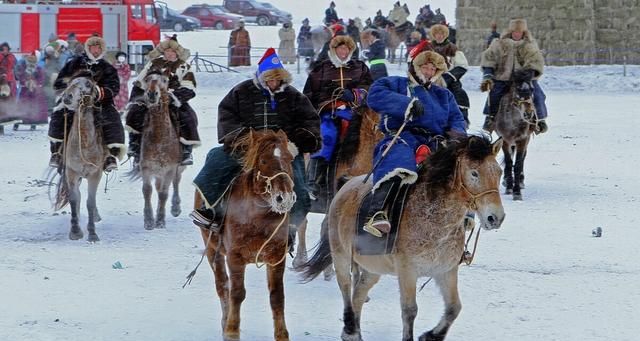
(378, 222)
(111, 163)
(208, 219)
(56, 157)
(489, 123)
(134, 147)
(316, 177)
(187, 157)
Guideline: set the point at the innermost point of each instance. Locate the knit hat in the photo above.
(270, 68)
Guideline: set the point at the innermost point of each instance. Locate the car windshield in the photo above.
(256, 4)
(267, 5)
(172, 12)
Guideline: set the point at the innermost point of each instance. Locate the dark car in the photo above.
(213, 16)
(283, 16)
(172, 20)
(254, 11)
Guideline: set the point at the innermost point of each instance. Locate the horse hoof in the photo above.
(175, 211)
(93, 238)
(76, 235)
(351, 337)
(429, 336)
(231, 336)
(517, 197)
(508, 191)
(299, 261)
(148, 226)
(161, 225)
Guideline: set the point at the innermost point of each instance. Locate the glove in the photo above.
(486, 85)
(347, 95)
(417, 109)
(174, 83)
(305, 140)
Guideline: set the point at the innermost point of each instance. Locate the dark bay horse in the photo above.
(459, 177)
(354, 156)
(255, 228)
(515, 122)
(160, 152)
(84, 154)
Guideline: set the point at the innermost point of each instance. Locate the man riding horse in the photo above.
(336, 87)
(268, 101)
(107, 87)
(422, 115)
(515, 51)
(170, 59)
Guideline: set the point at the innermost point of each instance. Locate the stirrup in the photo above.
(187, 160)
(379, 218)
(55, 159)
(110, 164)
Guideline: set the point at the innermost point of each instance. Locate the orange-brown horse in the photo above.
(459, 177)
(255, 228)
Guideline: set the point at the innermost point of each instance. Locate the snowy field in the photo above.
(542, 276)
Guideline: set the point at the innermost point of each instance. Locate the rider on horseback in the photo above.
(426, 113)
(168, 58)
(515, 51)
(267, 101)
(335, 87)
(456, 63)
(107, 87)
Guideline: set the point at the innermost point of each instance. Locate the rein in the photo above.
(78, 118)
(268, 179)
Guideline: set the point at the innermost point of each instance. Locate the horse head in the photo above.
(268, 159)
(80, 92)
(155, 84)
(468, 168)
(523, 91)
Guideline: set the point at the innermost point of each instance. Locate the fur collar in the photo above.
(336, 61)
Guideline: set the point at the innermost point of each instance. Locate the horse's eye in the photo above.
(474, 173)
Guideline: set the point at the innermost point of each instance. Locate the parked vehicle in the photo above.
(125, 25)
(253, 11)
(213, 16)
(172, 20)
(283, 16)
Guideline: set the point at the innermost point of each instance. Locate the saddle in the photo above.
(367, 244)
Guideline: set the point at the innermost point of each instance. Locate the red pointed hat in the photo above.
(424, 45)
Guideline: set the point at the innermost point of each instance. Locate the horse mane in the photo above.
(350, 145)
(439, 169)
(253, 144)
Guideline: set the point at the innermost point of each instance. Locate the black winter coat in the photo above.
(104, 74)
(324, 79)
(248, 105)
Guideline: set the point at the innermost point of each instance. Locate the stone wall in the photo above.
(567, 31)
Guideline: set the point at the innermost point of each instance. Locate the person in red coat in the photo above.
(8, 63)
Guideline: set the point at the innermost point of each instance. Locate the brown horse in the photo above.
(255, 228)
(160, 152)
(84, 155)
(396, 35)
(459, 177)
(515, 122)
(354, 156)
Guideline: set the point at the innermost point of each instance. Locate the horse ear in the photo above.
(283, 135)
(250, 136)
(497, 146)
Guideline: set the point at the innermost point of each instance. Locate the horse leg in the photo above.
(275, 275)
(508, 169)
(448, 283)
(92, 189)
(148, 210)
(237, 294)
(162, 188)
(365, 281)
(175, 200)
(301, 252)
(518, 170)
(219, 267)
(407, 282)
(73, 186)
(342, 264)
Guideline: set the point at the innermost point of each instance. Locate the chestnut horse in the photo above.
(515, 122)
(84, 154)
(354, 156)
(160, 152)
(461, 176)
(255, 228)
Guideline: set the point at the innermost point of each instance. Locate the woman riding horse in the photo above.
(337, 88)
(267, 101)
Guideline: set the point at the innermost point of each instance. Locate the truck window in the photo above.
(150, 14)
(136, 11)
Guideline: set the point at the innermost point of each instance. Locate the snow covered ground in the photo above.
(542, 276)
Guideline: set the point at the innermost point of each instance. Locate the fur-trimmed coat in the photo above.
(250, 105)
(506, 55)
(104, 74)
(287, 48)
(182, 81)
(325, 78)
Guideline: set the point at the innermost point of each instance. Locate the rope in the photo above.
(267, 186)
(78, 118)
(204, 253)
(286, 245)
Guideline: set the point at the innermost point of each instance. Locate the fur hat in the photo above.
(430, 57)
(519, 25)
(438, 28)
(270, 68)
(95, 40)
(170, 43)
(338, 41)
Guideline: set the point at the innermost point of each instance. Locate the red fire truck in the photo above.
(125, 25)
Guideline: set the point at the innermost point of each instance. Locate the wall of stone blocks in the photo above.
(568, 31)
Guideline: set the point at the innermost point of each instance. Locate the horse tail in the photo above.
(320, 260)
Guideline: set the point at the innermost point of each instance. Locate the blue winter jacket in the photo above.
(388, 97)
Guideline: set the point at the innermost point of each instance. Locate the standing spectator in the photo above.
(330, 14)
(239, 46)
(8, 63)
(124, 73)
(353, 31)
(494, 34)
(287, 48)
(376, 55)
(305, 45)
(31, 100)
(64, 53)
(73, 43)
